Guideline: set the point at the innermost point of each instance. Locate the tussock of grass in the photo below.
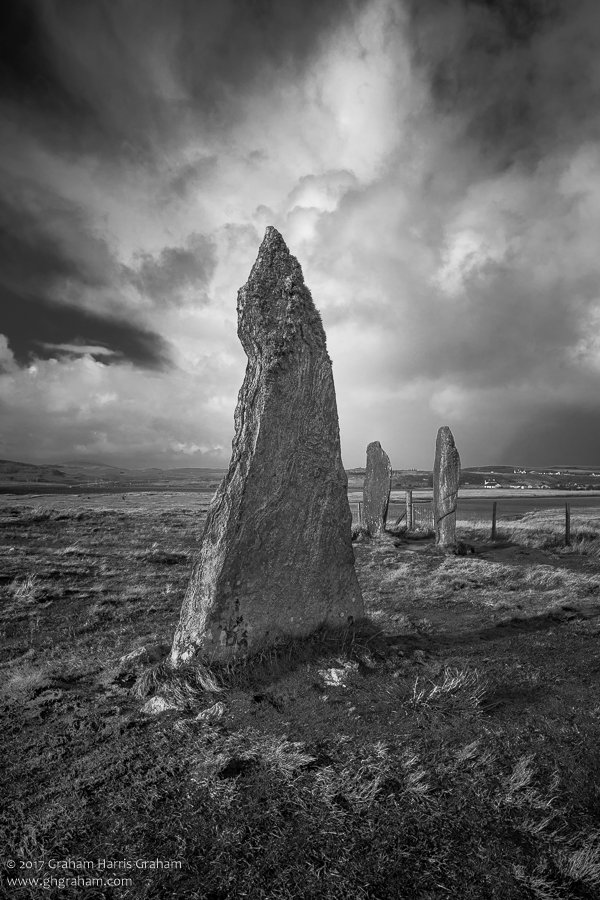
(458, 689)
(249, 749)
(416, 533)
(157, 554)
(359, 533)
(583, 864)
(24, 684)
(420, 533)
(77, 549)
(30, 674)
(38, 514)
(182, 687)
(25, 590)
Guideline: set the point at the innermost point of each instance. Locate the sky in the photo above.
(434, 165)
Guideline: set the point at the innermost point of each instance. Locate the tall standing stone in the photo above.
(276, 557)
(376, 489)
(446, 476)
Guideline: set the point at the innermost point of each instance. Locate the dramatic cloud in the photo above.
(434, 166)
(54, 273)
(167, 276)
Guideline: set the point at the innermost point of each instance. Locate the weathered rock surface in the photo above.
(377, 487)
(276, 557)
(446, 475)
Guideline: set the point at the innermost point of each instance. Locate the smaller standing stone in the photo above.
(446, 475)
(377, 487)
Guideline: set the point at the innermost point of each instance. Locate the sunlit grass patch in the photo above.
(542, 529)
(457, 689)
(76, 549)
(158, 554)
(485, 575)
(27, 589)
(38, 514)
(236, 754)
(495, 585)
(34, 672)
(24, 682)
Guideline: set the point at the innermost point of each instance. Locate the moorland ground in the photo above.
(447, 748)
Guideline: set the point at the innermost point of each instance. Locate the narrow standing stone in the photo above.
(376, 489)
(276, 557)
(446, 476)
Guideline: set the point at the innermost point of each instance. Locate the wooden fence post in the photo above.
(567, 524)
(360, 512)
(494, 510)
(410, 521)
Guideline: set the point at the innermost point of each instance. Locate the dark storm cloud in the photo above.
(45, 240)
(252, 38)
(522, 74)
(557, 434)
(124, 77)
(38, 328)
(72, 82)
(163, 278)
(503, 331)
(49, 256)
(29, 78)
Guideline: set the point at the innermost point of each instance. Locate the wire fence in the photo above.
(416, 514)
(399, 513)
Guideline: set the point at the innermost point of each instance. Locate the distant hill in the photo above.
(10, 470)
(100, 476)
(77, 475)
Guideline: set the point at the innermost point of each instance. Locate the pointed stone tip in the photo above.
(272, 237)
(275, 298)
(274, 257)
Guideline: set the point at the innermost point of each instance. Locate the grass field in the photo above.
(447, 748)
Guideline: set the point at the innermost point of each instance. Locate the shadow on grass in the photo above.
(505, 629)
(188, 684)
